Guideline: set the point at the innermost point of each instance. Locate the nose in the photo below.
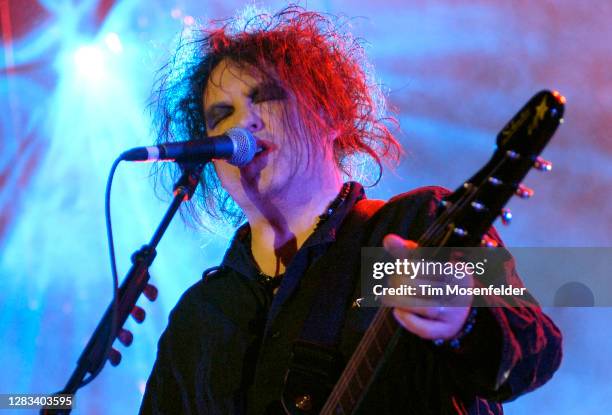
(252, 120)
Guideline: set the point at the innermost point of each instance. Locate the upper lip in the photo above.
(262, 145)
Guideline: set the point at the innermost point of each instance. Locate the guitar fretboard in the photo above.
(360, 369)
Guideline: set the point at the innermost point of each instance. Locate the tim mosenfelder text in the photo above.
(405, 268)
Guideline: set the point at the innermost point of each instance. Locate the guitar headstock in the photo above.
(467, 213)
(532, 127)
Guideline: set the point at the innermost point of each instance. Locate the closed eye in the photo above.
(217, 113)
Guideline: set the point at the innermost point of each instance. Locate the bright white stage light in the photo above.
(89, 62)
(113, 43)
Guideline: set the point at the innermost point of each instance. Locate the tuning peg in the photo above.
(524, 192)
(114, 357)
(560, 98)
(506, 216)
(488, 242)
(542, 164)
(125, 337)
(138, 314)
(460, 231)
(150, 291)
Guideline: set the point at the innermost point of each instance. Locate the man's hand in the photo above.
(429, 322)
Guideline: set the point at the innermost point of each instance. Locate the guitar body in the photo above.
(464, 218)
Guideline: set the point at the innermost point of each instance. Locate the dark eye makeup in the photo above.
(216, 113)
(268, 91)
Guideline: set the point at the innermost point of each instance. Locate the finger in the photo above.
(397, 245)
(431, 313)
(421, 326)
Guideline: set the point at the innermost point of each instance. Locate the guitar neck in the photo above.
(364, 363)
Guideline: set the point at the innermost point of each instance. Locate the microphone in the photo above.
(237, 146)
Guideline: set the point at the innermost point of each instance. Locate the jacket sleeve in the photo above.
(173, 375)
(162, 392)
(513, 349)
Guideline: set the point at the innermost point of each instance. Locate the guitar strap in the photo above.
(314, 361)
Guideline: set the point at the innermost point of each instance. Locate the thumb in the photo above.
(398, 246)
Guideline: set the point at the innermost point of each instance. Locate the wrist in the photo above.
(455, 341)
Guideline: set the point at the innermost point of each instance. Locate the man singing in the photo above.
(301, 86)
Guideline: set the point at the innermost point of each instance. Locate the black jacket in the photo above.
(228, 341)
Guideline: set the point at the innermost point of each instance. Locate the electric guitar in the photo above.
(465, 216)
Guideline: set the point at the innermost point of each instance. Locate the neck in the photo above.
(280, 226)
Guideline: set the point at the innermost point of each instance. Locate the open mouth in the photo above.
(262, 148)
(260, 160)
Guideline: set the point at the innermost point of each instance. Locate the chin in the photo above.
(265, 184)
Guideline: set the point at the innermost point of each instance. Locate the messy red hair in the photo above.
(310, 54)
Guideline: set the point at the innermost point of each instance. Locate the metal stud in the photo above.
(513, 154)
(495, 181)
(478, 207)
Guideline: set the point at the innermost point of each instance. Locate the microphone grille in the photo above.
(245, 146)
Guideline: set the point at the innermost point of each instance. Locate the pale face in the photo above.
(238, 97)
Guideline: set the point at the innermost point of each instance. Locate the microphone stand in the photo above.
(94, 355)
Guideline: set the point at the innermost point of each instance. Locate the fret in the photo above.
(376, 343)
(345, 401)
(390, 324)
(360, 375)
(353, 390)
(372, 355)
(370, 367)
